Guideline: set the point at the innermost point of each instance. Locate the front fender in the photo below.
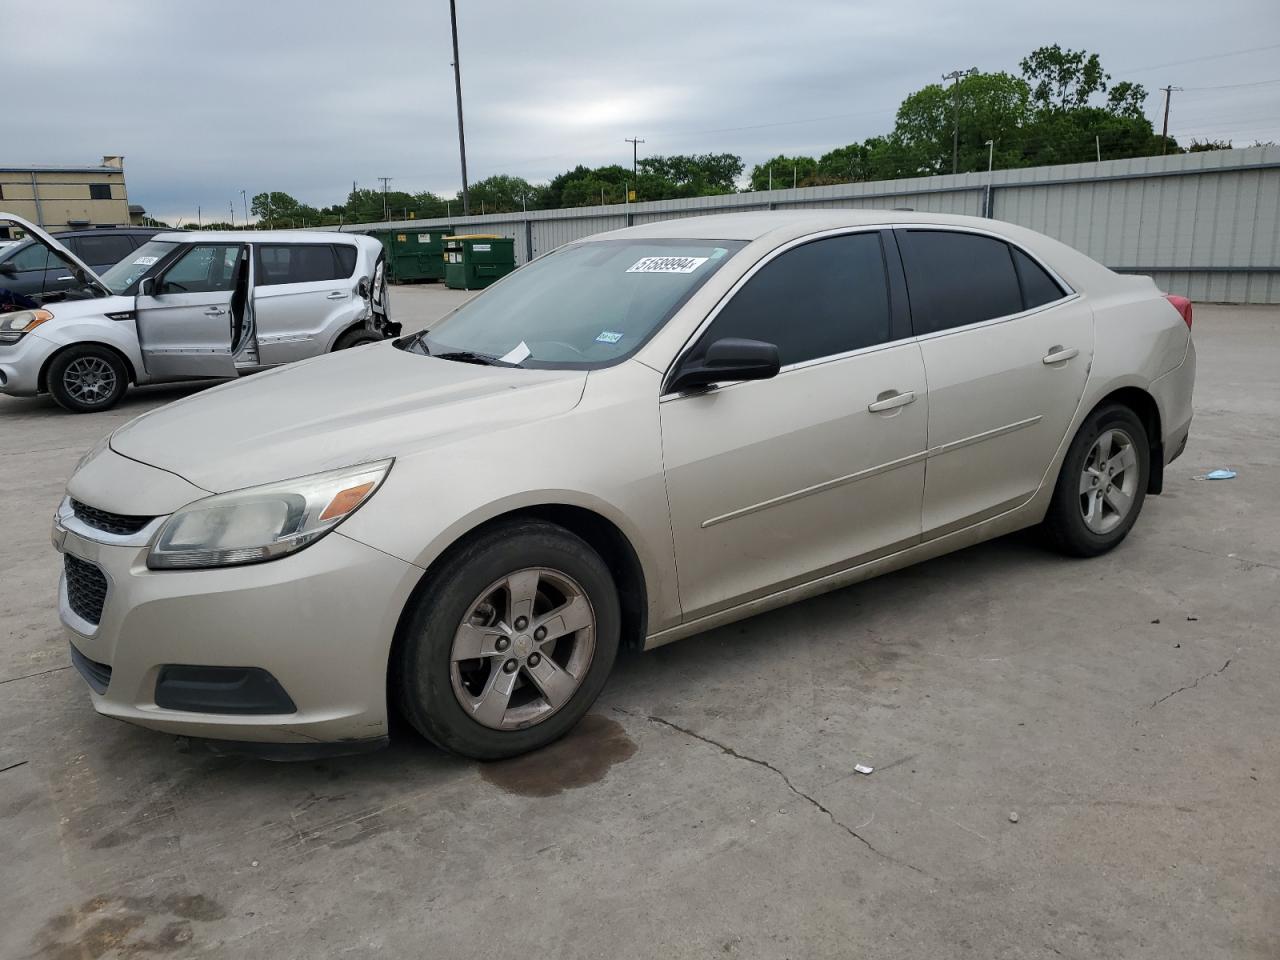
(121, 335)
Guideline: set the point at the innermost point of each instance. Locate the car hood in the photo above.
(367, 403)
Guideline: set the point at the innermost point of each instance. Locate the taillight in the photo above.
(1182, 305)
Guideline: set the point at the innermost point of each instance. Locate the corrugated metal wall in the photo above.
(1205, 225)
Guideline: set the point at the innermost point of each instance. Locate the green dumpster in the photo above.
(415, 253)
(473, 261)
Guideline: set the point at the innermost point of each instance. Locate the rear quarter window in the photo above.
(346, 255)
(1038, 288)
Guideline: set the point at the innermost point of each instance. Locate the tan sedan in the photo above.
(637, 437)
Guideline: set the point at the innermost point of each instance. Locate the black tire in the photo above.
(422, 678)
(87, 379)
(356, 337)
(1064, 527)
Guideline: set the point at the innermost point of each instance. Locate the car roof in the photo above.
(754, 225)
(258, 236)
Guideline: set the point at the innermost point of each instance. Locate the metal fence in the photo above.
(1205, 225)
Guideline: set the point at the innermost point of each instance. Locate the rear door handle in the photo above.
(336, 295)
(1058, 354)
(214, 312)
(890, 400)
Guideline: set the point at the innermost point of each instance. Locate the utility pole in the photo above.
(231, 205)
(635, 152)
(385, 180)
(1097, 145)
(957, 76)
(244, 197)
(986, 200)
(457, 86)
(1164, 130)
(794, 175)
(199, 219)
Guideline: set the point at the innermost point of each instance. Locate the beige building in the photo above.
(65, 198)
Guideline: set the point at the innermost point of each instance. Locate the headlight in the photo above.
(263, 523)
(15, 326)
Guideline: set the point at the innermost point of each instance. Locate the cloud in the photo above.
(207, 100)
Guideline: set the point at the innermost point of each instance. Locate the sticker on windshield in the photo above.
(666, 265)
(146, 261)
(718, 252)
(608, 336)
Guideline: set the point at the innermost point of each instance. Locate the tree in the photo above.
(274, 206)
(1063, 79)
(501, 193)
(1204, 146)
(782, 171)
(989, 106)
(691, 175)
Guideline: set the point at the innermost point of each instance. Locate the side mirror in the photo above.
(8, 268)
(147, 287)
(730, 358)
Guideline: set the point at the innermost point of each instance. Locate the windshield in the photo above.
(587, 305)
(129, 270)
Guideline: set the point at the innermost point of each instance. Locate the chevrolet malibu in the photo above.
(635, 438)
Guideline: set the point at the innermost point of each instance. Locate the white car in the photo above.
(193, 305)
(634, 438)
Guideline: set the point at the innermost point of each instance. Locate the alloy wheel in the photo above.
(89, 380)
(523, 648)
(1109, 481)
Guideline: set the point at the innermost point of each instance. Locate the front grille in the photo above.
(96, 675)
(86, 588)
(118, 523)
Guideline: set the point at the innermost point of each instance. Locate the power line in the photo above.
(1232, 86)
(385, 181)
(1211, 56)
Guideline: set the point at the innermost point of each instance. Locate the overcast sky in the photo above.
(205, 100)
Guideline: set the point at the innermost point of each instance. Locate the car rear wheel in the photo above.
(507, 648)
(356, 338)
(87, 379)
(1102, 484)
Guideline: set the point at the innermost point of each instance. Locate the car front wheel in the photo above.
(87, 379)
(507, 648)
(1102, 484)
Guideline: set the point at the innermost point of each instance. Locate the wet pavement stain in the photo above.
(125, 927)
(581, 757)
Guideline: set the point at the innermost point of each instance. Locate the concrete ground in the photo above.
(1125, 709)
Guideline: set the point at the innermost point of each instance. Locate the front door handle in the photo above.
(1059, 354)
(336, 295)
(890, 400)
(214, 312)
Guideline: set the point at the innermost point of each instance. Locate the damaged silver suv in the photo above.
(188, 306)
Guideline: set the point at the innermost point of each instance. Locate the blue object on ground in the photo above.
(1220, 475)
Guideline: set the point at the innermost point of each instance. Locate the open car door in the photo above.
(190, 315)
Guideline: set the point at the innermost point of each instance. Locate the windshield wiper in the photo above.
(470, 356)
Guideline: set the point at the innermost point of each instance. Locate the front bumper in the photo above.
(319, 622)
(21, 363)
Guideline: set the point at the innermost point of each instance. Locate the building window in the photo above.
(99, 191)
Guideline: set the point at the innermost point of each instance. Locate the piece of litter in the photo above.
(518, 354)
(1192, 619)
(254, 864)
(862, 768)
(1217, 475)
(1157, 620)
(1013, 817)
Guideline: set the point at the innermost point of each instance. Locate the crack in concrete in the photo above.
(40, 674)
(1193, 683)
(724, 748)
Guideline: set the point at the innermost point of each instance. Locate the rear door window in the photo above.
(825, 297)
(297, 263)
(957, 279)
(34, 256)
